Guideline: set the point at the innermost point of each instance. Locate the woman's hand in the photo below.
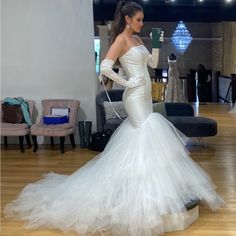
(157, 42)
(161, 39)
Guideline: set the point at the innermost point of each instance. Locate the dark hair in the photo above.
(202, 73)
(123, 8)
(201, 67)
(172, 57)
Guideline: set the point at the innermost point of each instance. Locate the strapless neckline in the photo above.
(136, 46)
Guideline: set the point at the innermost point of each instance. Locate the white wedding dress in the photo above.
(174, 91)
(143, 175)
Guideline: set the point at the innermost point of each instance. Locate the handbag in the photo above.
(100, 140)
(55, 120)
(12, 113)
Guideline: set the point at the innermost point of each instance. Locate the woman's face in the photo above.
(136, 22)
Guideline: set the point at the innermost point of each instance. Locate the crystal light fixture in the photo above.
(181, 37)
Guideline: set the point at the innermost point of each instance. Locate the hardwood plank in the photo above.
(218, 160)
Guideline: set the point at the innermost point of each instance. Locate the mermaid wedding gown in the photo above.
(143, 175)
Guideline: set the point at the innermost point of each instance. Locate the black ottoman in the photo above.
(193, 126)
(112, 124)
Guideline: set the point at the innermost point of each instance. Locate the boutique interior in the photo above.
(51, 53)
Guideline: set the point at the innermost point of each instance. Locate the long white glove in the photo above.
(106, 69)
(153, 58)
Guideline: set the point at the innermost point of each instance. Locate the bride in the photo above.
(143, 175)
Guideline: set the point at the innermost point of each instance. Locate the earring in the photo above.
(127, 26)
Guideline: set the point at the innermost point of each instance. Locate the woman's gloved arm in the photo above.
(106, 69)
(153, 58)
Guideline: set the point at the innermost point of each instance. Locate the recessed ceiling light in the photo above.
(168, 1)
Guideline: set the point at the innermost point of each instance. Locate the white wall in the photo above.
(48, 52)
(1, 41)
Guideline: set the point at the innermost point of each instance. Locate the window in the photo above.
(97, 53)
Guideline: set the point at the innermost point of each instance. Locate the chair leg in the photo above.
(35, 143)
(62, 141)
(72, 140)
(5, 141)
(27, 137)
(81, 134)
(52, 141)
(21, 140)
(201, 141)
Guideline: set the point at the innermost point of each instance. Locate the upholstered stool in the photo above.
(194, 126)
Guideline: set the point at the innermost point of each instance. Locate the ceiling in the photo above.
(167, 10)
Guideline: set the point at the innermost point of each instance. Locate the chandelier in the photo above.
(181, 38)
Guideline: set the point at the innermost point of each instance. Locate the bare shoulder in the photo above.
(119, 44)
(139, 40)
(120, 40)
(116, 48)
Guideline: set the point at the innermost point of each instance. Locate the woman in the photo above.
(202, 77)
(142, 176)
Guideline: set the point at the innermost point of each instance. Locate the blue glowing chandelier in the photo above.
(181, 38)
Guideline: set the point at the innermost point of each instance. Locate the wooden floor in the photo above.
(218, 160)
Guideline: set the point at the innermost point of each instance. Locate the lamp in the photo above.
(181, 38)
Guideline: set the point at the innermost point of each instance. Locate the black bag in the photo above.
(12, 113)
(100, 140)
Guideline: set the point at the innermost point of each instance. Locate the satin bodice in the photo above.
(137, 101)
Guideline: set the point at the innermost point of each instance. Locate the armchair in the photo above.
(20, 130)
(59, 130)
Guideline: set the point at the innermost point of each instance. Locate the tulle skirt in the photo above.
(143, 175)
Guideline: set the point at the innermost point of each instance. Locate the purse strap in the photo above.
(109, 99)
